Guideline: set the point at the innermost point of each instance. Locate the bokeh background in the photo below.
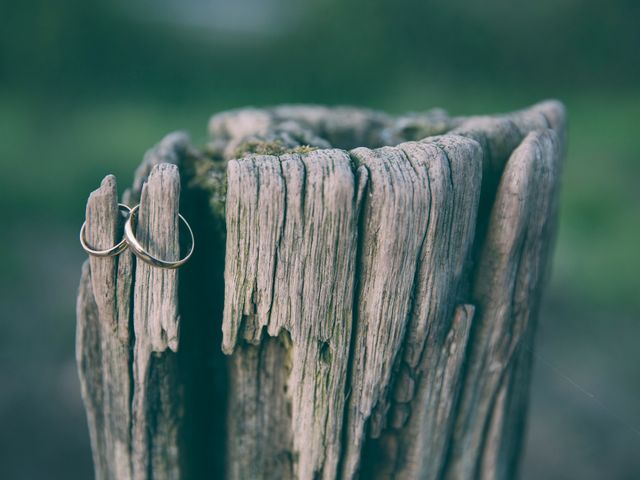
(87, 86)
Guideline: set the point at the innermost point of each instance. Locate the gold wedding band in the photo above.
(109, 252)
(140, 251)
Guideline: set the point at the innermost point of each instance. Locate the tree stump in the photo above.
(361, 302)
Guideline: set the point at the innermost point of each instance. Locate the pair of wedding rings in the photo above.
(130, 240)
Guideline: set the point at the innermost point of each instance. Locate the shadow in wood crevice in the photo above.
(361, 173)
(203, 367)
(259, 375)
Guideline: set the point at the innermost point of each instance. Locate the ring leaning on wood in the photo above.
(141, 252)
(109, 252)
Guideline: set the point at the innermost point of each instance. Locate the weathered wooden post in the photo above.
(361, 303)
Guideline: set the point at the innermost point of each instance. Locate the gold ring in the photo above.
(140, 251)
(109, 252)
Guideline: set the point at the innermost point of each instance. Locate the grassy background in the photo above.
(86, 88)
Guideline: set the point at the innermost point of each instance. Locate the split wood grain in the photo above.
(157, 399)
(104, 338)
(423, 400)
(396, 215)
(291, 240)
(506, 291)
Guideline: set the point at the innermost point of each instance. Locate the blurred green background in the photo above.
(86, 87)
